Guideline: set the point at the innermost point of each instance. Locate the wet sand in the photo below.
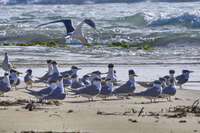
(76, 114)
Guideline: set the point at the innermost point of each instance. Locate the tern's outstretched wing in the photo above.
(90, 23)
(66, 22)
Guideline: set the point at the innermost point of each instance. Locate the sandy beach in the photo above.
(76, 114)
(150, 37)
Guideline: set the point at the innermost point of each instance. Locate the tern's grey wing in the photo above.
(105, 90)
(152, 92)
(90, 23)
(34, 93)
(170, 90)
(76, 85)
(89, 90)
(125, 88)
(145, 84)
(4, 87)
(66, 22)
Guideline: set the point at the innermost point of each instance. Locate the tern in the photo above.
(44, 78)
(6, 65)
(152, 92)
(106, 89)
(73, 71)
(75, 82)
(170, 90)
(71, 32)
(14, 78)
(28, 78)
(58, 93)
(89, 91)
(183, 78)
(127, 88)
(5, 84)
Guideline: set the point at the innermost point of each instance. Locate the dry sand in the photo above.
(76, 114)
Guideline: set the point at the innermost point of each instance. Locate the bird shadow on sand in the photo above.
(82, 101)
(102, 100)
(20, 88)
(34, 86)
(113, 99)
(151, 102)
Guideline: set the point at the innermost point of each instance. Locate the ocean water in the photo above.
(171, 28)
(155, 23)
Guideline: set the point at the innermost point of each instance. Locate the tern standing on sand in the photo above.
(89, 91)
(170, 90)
(75, 82)
(128, 87)
(6, 65)
(28, 78)
(106, 89)
(73, 71)
(151, 93)
(183, 78)
(44, 78)
(111, 74)
(54, 76)
(58, 93)
(5, 84)
(14, 78)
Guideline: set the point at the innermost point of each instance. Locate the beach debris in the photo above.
(199, 122)
(105, 113)
(130, 112)
(24, 102)
(13, 103)
(181, 111)
(133, 121)
(57, 103)
(37, 105)
(4, 108)
(133, 110)
(70, 111)
(126, 113)
(141, 111)
(176, 98)
(182, 121)
(154, 114)
(57, 115)
(177, 115)
(30, 106)
(48, 132)
(195, 131)
(194, 108)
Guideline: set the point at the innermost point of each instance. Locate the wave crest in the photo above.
(186, 19)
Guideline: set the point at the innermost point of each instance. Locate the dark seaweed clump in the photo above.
(53, 43)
